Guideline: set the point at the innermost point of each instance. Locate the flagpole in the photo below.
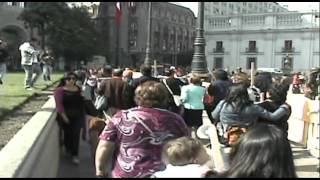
(117, 19)
(147, 59)
(117, 47)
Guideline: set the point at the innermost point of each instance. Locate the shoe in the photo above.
(1, 82)
(75, 160)
(29, 88)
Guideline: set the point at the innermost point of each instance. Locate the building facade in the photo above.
(172, 33)
(230, 8)
(12, 30)
(270, 40)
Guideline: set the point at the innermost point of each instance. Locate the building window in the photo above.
(219, 46)
(218, 62)
(252, 46)
(288, 44)
(132, 7)
(251, 59)
(133, 33)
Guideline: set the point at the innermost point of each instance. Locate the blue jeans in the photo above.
(3, 70)
(32, 73)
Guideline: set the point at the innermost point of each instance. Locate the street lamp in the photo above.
(147, 60)
(199, 63)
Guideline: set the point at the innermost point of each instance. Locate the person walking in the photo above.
(119, 94)
(71, 113)
(30, 63)
(47, 59)
(192, 99)
(135, 137)
(3, 59)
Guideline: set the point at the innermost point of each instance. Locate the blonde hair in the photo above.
(181, 151)
(195, 79)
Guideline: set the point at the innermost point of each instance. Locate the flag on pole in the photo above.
(118, 13)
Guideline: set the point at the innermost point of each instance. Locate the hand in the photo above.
(66, 120)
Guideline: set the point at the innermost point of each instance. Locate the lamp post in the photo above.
(199, 63)
(147, 60)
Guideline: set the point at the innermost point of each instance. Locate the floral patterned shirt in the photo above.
(139, 135)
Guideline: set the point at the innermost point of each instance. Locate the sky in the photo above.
(292, 6)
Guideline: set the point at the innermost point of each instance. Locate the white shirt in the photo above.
(186, 171)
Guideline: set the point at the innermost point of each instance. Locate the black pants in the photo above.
(72, 138)
(192, 117)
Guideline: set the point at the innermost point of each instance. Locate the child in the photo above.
(185, 157)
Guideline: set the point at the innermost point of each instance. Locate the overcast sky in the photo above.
(292, 6)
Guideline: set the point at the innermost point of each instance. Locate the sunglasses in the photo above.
(71, 78)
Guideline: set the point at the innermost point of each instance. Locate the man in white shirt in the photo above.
(30, 62)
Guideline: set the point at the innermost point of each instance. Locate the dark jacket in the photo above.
(136, 82)
(118, 93)
(282, 123)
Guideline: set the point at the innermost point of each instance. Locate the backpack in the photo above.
(234, 133)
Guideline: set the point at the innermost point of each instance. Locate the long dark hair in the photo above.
(263, 152)
(63, 79)
(238, 95)
(278, 93)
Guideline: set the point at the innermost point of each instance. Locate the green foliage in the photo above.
(69, 31)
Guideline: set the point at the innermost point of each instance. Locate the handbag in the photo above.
(176, 98)
(101, 102)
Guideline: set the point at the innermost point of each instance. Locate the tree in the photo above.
(69, 31)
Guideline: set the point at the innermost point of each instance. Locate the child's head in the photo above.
(184, 150)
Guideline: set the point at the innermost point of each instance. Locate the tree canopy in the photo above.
(68, 31)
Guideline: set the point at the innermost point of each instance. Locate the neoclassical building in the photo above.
(172, 33)
(229, 8)
(285, 40)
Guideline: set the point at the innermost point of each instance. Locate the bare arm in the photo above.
(104, 150)
(58, 95)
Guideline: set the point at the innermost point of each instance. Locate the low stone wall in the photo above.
(34, 150)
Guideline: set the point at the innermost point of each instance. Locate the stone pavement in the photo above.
(85, 169)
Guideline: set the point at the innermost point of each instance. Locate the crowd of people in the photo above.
(147, 134)
(137, 128)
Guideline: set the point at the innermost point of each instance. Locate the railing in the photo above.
(251, 50)
(224, 22)
(253, 20)
(218, 50)
(289, 19)
(287, 50)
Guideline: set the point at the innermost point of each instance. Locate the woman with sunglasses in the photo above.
(71, 113)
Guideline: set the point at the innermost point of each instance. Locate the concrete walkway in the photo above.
(306, 165)
(85, 169)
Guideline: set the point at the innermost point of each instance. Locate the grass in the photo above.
(13, 94)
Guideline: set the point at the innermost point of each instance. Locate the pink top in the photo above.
(58, 95)
(138, 143)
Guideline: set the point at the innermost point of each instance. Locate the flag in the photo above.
(118, 13)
